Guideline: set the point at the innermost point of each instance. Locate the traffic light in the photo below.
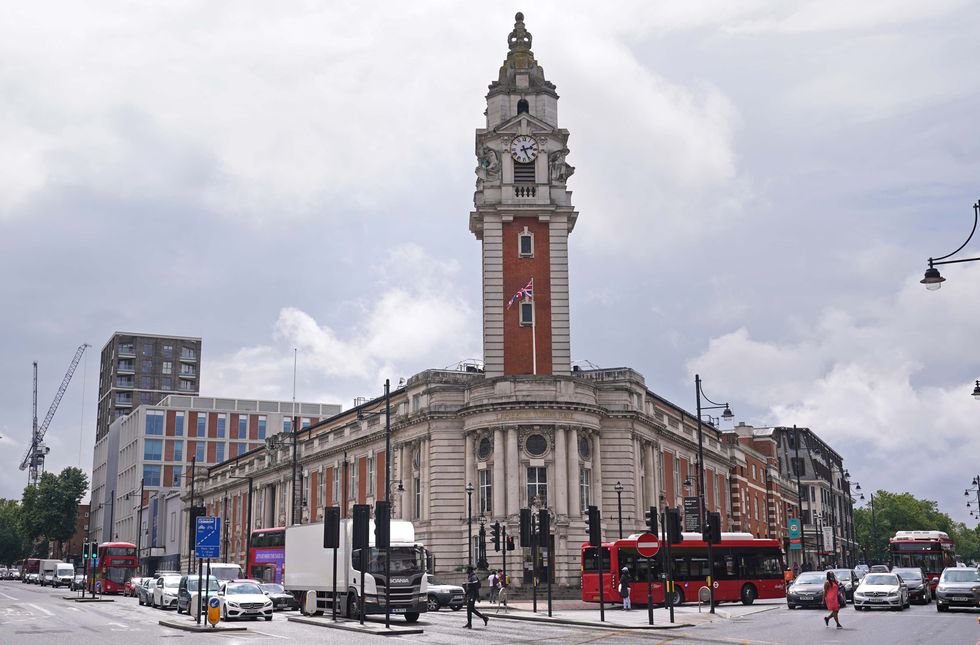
(525, 527)
(592, 523)
(510, 542)
(712, 529)
(86, 550)
(331, 527)
(495, 536)
(359, 530)
(672, 518)
(382, 524)
(652, 520)
(544, 527)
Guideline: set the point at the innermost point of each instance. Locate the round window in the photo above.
(484, 449)
(584, 448)
(536, 445)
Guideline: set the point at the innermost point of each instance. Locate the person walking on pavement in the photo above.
(831, 591)
(472, 594)
(624, 588)
(502, 594)
(493, 586)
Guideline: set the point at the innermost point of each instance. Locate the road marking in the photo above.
(74, 609)
(41, 609)
(6, 596)
(269, 635)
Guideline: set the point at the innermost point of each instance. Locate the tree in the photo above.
(13, 544)
(50, 508)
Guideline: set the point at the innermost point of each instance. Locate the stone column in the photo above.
(513, 474)
(650, 466)
(574, 495)
(499, 478)
(600, 492)
(424, 478)
(468, 470)
(561, 473)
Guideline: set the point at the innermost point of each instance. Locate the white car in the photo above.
(165, 591)
(241, 599)
(881, 590)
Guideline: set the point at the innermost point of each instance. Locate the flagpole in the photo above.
(534, 333)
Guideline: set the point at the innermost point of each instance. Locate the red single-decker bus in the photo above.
(114, 567)
(267, 555)
(745, 568)
(932, 551)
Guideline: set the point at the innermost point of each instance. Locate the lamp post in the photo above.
(974, 488)
(619, 506)
(702, 511)
(932, 279)
(874, 530)
(469, 524)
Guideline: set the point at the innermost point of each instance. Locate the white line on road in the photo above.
(41, 609)
(254, 631)
(6, 596)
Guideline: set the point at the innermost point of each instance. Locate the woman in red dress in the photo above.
(830, 591)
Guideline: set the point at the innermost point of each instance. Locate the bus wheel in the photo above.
(412, 617)
(749, 594)
(677, 597)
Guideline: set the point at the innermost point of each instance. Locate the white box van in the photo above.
(64, 573)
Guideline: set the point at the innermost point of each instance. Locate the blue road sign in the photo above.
(214, 603)
(207, 537)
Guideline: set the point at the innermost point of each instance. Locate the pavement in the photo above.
(371, 626)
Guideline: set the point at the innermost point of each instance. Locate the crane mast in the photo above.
(34, 459)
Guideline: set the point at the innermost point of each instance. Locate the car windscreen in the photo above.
(273, 588)
(211, 584)
(880, 579)
(434, 580)
(908, 574)
(171, 582)
(810, 578)
(242, 588)
(961, 575)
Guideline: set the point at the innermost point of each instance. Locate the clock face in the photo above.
(524, 148)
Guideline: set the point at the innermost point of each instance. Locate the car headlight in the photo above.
(233, 604)
(268, 603)
(941, 588)
(893, 593)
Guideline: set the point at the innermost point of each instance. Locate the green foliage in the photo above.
(49, 510)
(13, 544)
(904, 512)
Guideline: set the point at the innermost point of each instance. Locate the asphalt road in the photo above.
(31, 614)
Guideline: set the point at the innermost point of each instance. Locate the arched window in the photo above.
(522, 106)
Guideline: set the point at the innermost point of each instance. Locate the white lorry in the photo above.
(225, 571)
(46, 572)
(308, 572)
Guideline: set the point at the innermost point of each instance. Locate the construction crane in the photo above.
(34, 459)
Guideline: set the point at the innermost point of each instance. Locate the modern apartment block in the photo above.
(157, 444)
(142, 369)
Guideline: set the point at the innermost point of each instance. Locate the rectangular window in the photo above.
(243, 427)
(154, 422)
(262, 427)
(188, 353)
(371, 475)
(353, 480)
(287, 424)
(146, 365)
(179, 424)
(167, 367)
(717, 496)
(126, 366)
(753, 471)
(153, 449)
(416, 403)
(336, 485)
(199, 453)
(167, 351)
(148, 348)
(147, 398)
(526, 244)
(185, 386)
(126, 348)
(166, 383)
(418, 497)
(178, 451)
(219, 452)
(151, 475)
(585, 487)
(755, 507)
(677, 477)
(222, 418)
(188, 370)
(486, 491)
(202, 424)
(527, 313)
(537, 485)
(178, 475)
(145, 382)
(305, 422)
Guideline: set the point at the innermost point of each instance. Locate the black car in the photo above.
(281, 599)
(917, 583)
(847, 579)
(806, 590)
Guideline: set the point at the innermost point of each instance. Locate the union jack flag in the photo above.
(526, 292)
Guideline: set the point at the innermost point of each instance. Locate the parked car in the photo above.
(443, 595)
(131, 586)
(878, 568)
(33, 578)
(244, 599)
(145, 590)
(165, 591)
(78, 582)
(958, 587)
(806, 590)
(848, 580)
(917, 582)
(881, 590)
(187, 593)
(281, 599)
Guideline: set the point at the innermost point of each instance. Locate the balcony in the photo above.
(126, 367)
(124, 401)
(127, 350)
(126, 383)
(188, 356)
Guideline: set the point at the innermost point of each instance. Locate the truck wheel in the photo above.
(412, 617)
(432, 604)
(352, 607)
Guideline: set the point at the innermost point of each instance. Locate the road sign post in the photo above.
(207, 539)
(648, 546)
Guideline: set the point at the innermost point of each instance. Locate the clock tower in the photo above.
(523, 215)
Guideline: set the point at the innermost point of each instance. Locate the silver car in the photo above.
(881, 590)
(958, 587)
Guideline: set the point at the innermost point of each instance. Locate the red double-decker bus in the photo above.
(267, 554)
(745, 568)
(932, 551)
(114, 566)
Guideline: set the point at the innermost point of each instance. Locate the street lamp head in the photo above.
(618, 487)
(976, 395)
(862, 497)
(727, 413)
(469, 487)
(933, 280)
(857, 487)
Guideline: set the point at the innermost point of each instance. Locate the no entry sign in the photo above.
(647, 545)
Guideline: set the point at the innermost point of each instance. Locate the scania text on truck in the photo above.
(308, 572)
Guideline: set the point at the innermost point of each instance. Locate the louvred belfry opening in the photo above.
(522, 216)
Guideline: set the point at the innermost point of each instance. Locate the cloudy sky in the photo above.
(759, 184)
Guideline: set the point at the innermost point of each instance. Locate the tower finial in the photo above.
(520, 38)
